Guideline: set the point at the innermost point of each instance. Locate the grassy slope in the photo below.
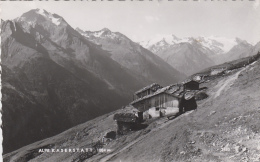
(225, 127)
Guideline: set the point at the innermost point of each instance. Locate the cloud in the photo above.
(151, 19)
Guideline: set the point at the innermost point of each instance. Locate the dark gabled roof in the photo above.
(175, 90)
(146, 88)
(125, 117)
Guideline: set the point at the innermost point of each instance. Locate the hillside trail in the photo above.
(106, 158)
(227, 83)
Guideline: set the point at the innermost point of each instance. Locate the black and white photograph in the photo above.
(130, 81)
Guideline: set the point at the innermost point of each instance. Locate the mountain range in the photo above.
(192, 54)
(54, 78)
(132, 56)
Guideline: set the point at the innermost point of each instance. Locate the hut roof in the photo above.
(219, 68)
(147, 87)
(175, 90)
(125, 117)
(188, 80)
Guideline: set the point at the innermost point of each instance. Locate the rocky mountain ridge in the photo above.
(133, 56)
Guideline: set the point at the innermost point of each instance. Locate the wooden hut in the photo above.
(125, 122)
(166, 101)
(188, 102)
(161, 99)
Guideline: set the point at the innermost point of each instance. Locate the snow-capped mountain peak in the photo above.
(218, 45)
(41, 15)
(105, 30)
(42, 12)
(54, 18)
(98, 33)
(171, 39)
(166, 39)
(162, 43)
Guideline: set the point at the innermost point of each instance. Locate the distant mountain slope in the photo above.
(186, 55)
(240, 50)
(224, 127)
(143, 63)
(190, 55)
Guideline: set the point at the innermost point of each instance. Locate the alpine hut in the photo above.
(167, 101)
(162, 102)
(191, 84)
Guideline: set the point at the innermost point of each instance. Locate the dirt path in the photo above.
(222, 85)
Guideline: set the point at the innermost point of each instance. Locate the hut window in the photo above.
(157, 108)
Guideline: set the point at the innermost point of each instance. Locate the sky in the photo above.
(144, 20)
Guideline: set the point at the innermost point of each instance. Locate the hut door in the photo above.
(161, 114)
(140, 116)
